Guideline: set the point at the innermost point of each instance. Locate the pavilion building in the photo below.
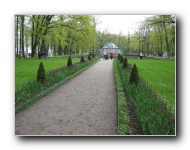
(111, 47)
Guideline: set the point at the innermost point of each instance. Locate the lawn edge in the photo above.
(123, 127)
(50, 89)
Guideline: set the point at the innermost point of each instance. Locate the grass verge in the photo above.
(150, 110)
(123, 113)
(160, 74)
(30, 92)
(26, 69)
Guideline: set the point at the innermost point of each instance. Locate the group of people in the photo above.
(106, 55)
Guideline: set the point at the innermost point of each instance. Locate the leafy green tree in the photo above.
(164, 28)
(41, 75)
(103, 38)
(22, 18)
(41, 24)
(16, 36)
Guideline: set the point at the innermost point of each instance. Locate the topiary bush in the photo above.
(82, 59)
(119, 56)
(134, 78)
(89, 57)
(93, 56)
(69, 62)
(41, 75)
(125, 63)
(121, 59)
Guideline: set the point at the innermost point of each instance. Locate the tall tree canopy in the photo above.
(64, 34)
(77, 34)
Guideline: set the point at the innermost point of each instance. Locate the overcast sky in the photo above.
(119, 23)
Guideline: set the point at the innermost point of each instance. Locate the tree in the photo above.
(22, 35)
(163, 24)
(41, 24)
(154, 34)
(102, 38)
(65, 34)
(16, 35)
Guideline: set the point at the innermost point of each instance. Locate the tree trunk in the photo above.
(60, 50)
(43, 48)
(161, 47)
(20, 46)
(33, 52)
(65, 50)
(22, 35)
(40, 28)
(166, 36)
(16, 36)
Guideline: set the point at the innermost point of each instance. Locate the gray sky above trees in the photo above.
(119, 23)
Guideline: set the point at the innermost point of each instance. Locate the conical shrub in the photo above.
(119, 56)
(41, 75)
(69, 62)
(125, 63)
(121, 59)
(82, 59)
(89, 57)
(93, 56)
(134, 78)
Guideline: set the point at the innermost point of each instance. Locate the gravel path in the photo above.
(86, 105)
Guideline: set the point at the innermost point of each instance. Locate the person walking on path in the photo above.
(105, 55)
(111, 54)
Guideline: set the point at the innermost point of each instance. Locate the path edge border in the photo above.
(50, 89)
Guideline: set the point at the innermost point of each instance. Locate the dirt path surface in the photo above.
(86, 105)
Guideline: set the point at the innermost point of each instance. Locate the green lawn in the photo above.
(26, 69)
(160, 73)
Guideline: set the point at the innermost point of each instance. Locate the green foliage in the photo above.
(93, 56)
(125, 63)
(121, 59)
(89, 57)
(81, 30)
(134, 78)
(123, 112)
(41, 75)
(82, 59)
(118, 56)
(24, 71)
(160, 75)
(31, 91)
(151, 111)
(69, 62)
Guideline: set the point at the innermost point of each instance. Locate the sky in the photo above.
(119, 23)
